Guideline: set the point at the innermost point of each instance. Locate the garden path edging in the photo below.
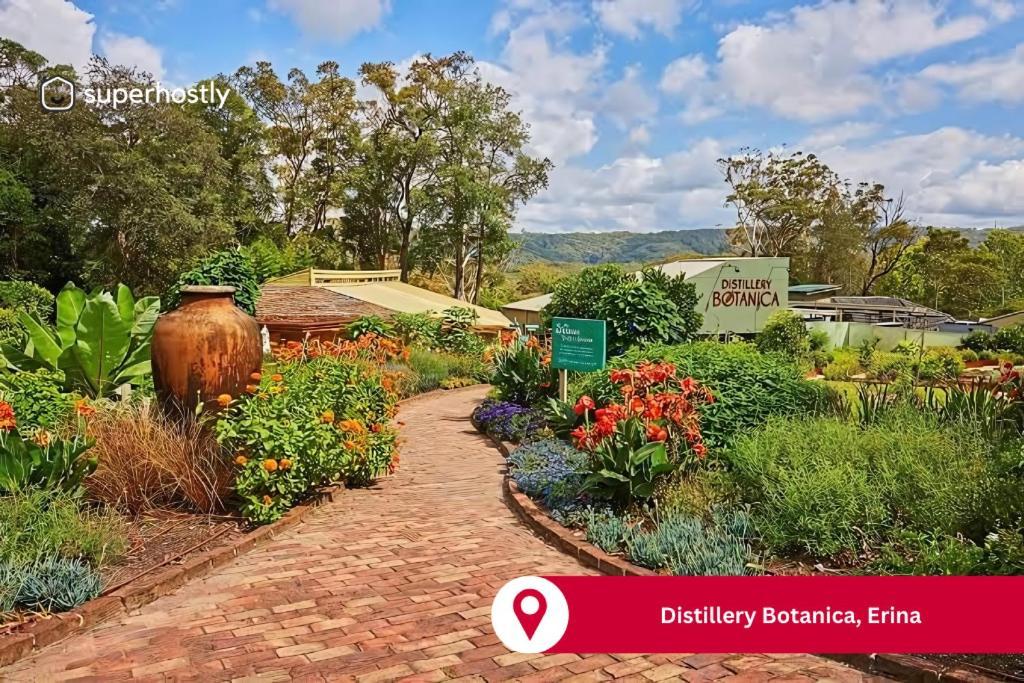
(48, 630)
(903, 667)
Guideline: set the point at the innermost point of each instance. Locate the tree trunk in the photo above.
(479, 263)
(403, 254)
(460, 267)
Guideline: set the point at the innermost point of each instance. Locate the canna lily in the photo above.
(7, 420)
(583, 405)
(83, 408)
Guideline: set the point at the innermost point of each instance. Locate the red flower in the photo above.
(583, 405)
(604, 427)
(656, 433)
(7, 420)
(700, 449)
(636, 405)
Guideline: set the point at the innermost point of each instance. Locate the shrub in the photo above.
(845, 364)
(29, 297)
(968, 356)
(784, 332)
(942, 364)
(36, 398)
(147, 460)
(651, 308)
(369, 323)
(550, 472)
(419, 329)
(12, 332)
(977, 341)
(920, 554)
(825, 486)
(456, 332)
(748, 386)
(313, 423)
(58, 584)
(688, 546)
(889, 367)
(1010, 339)
(522, 372)
(40, 460)
(38, 524)
(232, 268)
(507, 421)
(432, 368)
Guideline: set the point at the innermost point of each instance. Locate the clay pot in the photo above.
(203, 349)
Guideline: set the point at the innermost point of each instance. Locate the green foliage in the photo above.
(1010, 339)
(845, 364)
(920, 554)
(625, 467)
(940, 364)
(606, 530)
(28, 297)
(38, 524)
(326, 420)
(621, 246)
(977, 341)
(522, 375)
(369, 323)
(561, 417)
(651, 309)
(232, 268)
(975, 407)
(58, 465)
(456, 332)
(58, 584)
(688, 546)
(100, 342)
(889, 367)
(36, 398)
(826, 486)
(748, 386)
(784, 332)
(429, 370)
(419, 329)
(12, 332)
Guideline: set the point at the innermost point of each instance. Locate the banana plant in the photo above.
(100, 342)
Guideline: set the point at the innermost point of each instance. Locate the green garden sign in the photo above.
(577, 344)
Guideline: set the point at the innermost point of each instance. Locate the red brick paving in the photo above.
(391, 583)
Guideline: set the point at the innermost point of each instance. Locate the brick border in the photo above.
(35, 635)
(902, 667)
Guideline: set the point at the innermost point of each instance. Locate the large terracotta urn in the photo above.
(204, 348)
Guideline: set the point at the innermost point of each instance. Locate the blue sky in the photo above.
(634, 100)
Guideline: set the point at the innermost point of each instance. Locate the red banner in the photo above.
(762, 614)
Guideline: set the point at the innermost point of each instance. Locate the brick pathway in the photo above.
(392, 582)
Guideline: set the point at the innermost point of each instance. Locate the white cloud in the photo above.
(689, 78)
(1001, 10)
(133, 51)
(992, 79)
(628, 101)
(335, 19)
(553, 84)
(639, 135)
(838, 135)
(815, 62)
(684, 74)
(56, 29)
(630, 17)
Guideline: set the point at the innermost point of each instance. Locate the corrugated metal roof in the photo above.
(690, 268)
(533, 304)
(813, 289)
(405, 298)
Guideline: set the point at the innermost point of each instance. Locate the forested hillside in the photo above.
(619, 247)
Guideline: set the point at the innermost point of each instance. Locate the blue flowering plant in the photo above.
(507, 421)
(552, 473)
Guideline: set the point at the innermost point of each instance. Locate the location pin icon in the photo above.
(529, 607)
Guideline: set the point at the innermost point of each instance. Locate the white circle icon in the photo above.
(529, 614)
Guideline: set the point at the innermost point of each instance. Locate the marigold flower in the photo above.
(251, 388)
(256, 376)
(267, 500)
(83, 408)
(241, 460)
(270, 465)
(41, 438)
(224, 400)
(277, 377)
(351, 425)
(351, 445)
(7, 420)
(327, 417)
(286, 464)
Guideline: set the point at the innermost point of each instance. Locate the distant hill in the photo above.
(619, 247)
(642, 247)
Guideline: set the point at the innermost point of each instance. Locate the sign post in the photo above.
(576, 344)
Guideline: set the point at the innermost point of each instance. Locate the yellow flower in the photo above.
(240, 460)
(270, 465)
(327, 416)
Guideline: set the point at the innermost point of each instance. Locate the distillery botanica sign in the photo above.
(577, 344)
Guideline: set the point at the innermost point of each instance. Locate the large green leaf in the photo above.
(70, 304)
(126, 305)
(102, 343)
(45, 346)
(147, 310)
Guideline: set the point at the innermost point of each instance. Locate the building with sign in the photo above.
(735, 295)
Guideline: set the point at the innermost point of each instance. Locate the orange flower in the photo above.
(277, 377)
(532, 343)
(256, 376)
(7, 420)
(351, 445)
(270, 465)
(240, 460)
(327, 417)
(286, 464)
(353, 426)
(83, 408)
(376, 427)
(267, 500)
(41, 437)
(224, 400)
(251, 388)
(546, 360)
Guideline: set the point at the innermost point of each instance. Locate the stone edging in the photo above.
(45, 631)
(903, 667)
